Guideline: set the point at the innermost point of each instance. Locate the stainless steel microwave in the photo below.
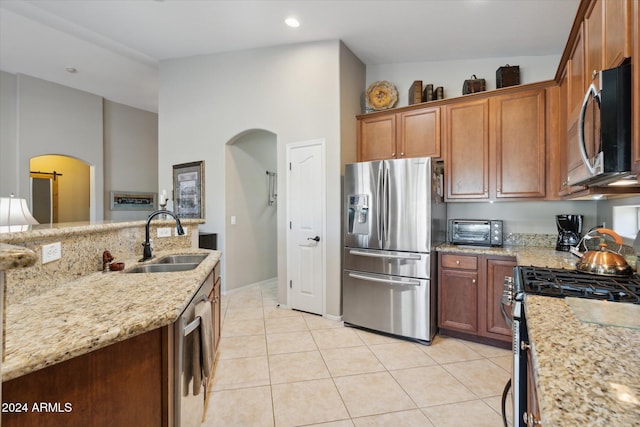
(604, 130)
(480, 232)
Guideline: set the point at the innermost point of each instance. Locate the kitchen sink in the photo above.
(181, 259)
(162, 268)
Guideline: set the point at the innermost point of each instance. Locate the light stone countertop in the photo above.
(15, 257)
(95, 311)
(586, 374)
(525, 255)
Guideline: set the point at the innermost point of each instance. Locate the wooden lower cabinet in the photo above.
(124, 384)
(469, 295)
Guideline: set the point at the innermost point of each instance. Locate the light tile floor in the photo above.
(280, 367)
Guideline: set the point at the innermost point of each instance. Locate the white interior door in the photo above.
(306, 216)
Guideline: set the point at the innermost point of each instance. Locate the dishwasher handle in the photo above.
(192, 326)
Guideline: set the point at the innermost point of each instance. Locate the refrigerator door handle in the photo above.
(377, 255)
(388, 281)
(386, 204)
(379, 190)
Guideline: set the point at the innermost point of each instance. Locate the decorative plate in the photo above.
(381, 95)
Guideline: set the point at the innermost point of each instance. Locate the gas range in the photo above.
(571, 283)
(551, 282)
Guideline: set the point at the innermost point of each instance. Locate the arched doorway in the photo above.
(250, 209)
(60, 189)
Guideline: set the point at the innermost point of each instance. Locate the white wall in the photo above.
(130, 155)
(55, 119)
(8, 135)
(291, 91)
(452, 74)
(251, 250)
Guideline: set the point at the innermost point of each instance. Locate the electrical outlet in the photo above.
(233, 220)
(51, 252)
(164, 232)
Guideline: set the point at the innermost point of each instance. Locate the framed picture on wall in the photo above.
(132, 201)
(188, 190)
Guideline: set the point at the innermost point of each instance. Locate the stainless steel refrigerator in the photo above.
(394, 214)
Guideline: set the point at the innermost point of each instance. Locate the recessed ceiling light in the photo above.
(71, 70)
(292, 22)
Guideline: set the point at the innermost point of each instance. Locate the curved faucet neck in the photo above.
(147, 245)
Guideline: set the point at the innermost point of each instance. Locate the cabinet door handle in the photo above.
(457, 262)
(393, 154)
(473, 281)
(401, 153)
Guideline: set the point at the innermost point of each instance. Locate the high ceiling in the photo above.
(116, 45)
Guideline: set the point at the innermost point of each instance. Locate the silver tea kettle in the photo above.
(604, 261)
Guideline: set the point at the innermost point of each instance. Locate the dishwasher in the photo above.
(188, 406)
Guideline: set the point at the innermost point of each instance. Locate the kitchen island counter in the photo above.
(586, 374)
(95, 311)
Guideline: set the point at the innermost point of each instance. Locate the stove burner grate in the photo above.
(570, 283)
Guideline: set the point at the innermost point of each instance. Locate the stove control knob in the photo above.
(524, 346)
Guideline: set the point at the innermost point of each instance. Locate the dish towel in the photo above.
(203, 355)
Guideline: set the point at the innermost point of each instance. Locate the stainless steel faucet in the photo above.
(146, 252)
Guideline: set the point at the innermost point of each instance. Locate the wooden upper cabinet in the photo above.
(593, 41)
(519, 135)
(617, 41)
(576, 74)
(395, 135)
(377, 138)
(419, 133)
(466, 138)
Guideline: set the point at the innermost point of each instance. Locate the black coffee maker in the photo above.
(569, 229)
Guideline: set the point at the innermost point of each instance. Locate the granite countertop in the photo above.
(15, 257)
(95, 311)
(525, 255)
(586, 374)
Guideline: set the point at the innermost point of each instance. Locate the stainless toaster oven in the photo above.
(481, 232)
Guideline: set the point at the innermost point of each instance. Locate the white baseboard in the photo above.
(252, 285)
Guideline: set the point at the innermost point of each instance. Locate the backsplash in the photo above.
(530, 239)
(82, 255)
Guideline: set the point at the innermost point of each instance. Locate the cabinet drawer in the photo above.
(467, 262)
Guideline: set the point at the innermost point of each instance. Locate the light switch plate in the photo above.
(51, 252)
(164, 232)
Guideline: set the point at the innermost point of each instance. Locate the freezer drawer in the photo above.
(406, 264)
(395, 305)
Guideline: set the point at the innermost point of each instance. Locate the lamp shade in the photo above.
(14, 214)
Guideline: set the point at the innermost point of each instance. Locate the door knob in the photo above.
(317, 238)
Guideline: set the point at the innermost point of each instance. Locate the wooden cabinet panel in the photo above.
(497, 270)
(466, 262)
(413, 133)
(119, 385)
(518, 130)
(458, 300)
(577, 86)
(616, 32)
(469, 296)
(419, 133)
(593, 40)
(467, 150)
(377, 138)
